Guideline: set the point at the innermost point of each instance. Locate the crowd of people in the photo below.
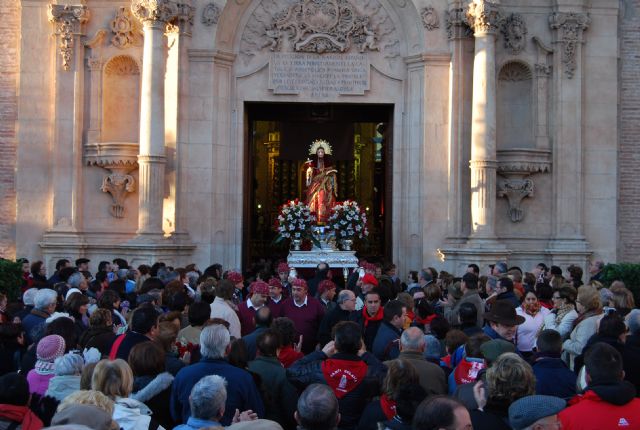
(157, 347)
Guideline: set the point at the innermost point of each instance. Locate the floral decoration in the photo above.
(294, 221)
(348, 221)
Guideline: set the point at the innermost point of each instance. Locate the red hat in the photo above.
(275, 282)
(235, 277)
(283, 267)
(369, 279)
(259, 287)
(299, 282)
(326, 285)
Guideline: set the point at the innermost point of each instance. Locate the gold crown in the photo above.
(320, 143)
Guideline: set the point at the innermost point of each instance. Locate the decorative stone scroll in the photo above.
(570, 27)
(118, 184)
(430, 19)
(126, 30)
(154, 10)
(319, 76)
(515, 190)
(514, 31)
(210, 14)
(69, 21)
(484, 16)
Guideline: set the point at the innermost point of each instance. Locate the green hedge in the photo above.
(629, 273)
(10, 278)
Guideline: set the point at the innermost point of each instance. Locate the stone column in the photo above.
(483, 17)
(154, 14)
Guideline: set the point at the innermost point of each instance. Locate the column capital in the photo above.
(183, 20)
(456, 23)
(570, 27)
(154, 11)
(484, 16)
(69, 21)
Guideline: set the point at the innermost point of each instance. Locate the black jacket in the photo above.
(329, 321)
(369, 333)
(155, 392)
(100, 338)
(307, 371)
(630, 359)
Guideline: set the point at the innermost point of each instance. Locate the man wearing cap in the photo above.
(238, 282)
(469, 286)
(306, 312)
(247, 309)
(326, 293)
(276, 297)
(83, 264)
(322, 274)
(346, 304)
(367, 283)
(503, 321)
(370, 317)
(283, 275)
(536, 413)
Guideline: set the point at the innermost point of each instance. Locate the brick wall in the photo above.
(9, 61)
(629, 143)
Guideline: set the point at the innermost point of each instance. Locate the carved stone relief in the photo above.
(514, 71)
(514, 31)
(122, 65)
(570, 27)
(484, 16)
(154, 10)
(210, 14)
(69, 21)
(515, 190)
(319, 26)
(118, 185)
(430, 18)
(456, 24)
(126, 30)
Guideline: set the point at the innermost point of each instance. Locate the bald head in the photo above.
(412, 339)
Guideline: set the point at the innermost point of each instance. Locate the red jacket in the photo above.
(609, 407)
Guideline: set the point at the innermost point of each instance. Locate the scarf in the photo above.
(388, 406)
(426, 320)
(563, 311)
(22, 415)
(584, 316)
(467, 371)
(44, 367)
(532, 308)
(367, 318)
(343, 376)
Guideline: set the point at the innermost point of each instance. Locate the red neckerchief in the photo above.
(343, 376)
(367, 318)
(388, 406)
(288, 356)
(426, 320)
(411, 315)
(467, 371)
(22, 415)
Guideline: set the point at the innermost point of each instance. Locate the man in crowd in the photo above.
(370, 317)
(283, 275)
(326, 293)
(306, 312)
(276, 297)
(505, 291)
(503, 321)
(346, 304)
(247, 309)
(553, 376)
(367, 283)
(595, 270)
(44, 305)
(242, 394)
(535, 413)
(317, 409)
(441, 412)
(469, 287)
(144, 328)
(387, 341)
(262, 320)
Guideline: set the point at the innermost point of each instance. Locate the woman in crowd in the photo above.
(622, 298)
(533, 314)
(115, 380)
(110, 300)
(563, 314)
(198, 314)
(39, 274)
(12, 347)
(68, 370)
(151, 382)
(289, 352)
(100, 334)
(589, 309)
(77, 305)
(49, 348)
(166, 338)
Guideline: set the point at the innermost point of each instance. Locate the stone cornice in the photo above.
(484, 17)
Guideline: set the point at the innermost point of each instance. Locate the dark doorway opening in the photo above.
(279, 136)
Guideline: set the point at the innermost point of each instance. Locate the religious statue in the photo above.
(322, 184)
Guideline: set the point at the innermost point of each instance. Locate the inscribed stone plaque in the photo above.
(319, 76)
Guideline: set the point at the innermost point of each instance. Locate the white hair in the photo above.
(29, 296)
(69, 364)
(412, 339)
(44, 298)
(214, 340)
(75, 280)
(208, 397)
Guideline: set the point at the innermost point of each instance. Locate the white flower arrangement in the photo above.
(294, 221)
(348, 221)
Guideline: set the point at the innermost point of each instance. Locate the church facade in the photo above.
(512, 123)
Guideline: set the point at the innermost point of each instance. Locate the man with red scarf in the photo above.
(344, 365)
(370, 317)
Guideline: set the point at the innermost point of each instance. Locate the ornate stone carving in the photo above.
(514, 163)
(483, 16)
(94, 63)
(514, 71)
(125, 29)
(69, 21)
(514, 30)
(118, 184)
(456, 24)
(515, 190)
(183, 21)
(210, 14)
(154, 10)
(122, 65)
(430, 18)
(570, 27)
(543, 70)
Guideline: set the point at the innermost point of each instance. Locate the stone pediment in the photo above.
(320, 27)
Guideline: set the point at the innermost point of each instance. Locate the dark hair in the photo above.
(149, 284)
(225, 289)
(468, 313)
(35, 267)
(213, 271)
(144, 319)
(268, 343)
(14, 389)
(121, 262)
(102, 265)
(423, 308)
(375, 291)
(198, 313)
(439, 327)
(147, 359)
(238, 355)
(612, 325)
(506, 282)
(549, 342)
(100, 277)
(263, 317)
(544, 292)
(470, 280)
(473, 344)
(9, 333)
(408, 397)
(61, 263)
(392, 309)
(87, 374)
(74, 302)
(119, 286)
(475, 268)
(556, 271)
(568, 293)
(66, 328)
(108, 299)
(347, 337)
(454, 339)
(286, 329)
(435, 413)
(603, 363)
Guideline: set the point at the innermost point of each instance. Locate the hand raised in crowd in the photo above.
(298, 346)
(329, 349)
(363, 349)
(479, 394)
(247, 415)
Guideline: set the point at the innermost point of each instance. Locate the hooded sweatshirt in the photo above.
(603, 406)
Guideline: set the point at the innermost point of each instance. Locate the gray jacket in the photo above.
(470, 296)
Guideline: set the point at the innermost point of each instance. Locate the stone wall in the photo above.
(9, 60)
(629, 144)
